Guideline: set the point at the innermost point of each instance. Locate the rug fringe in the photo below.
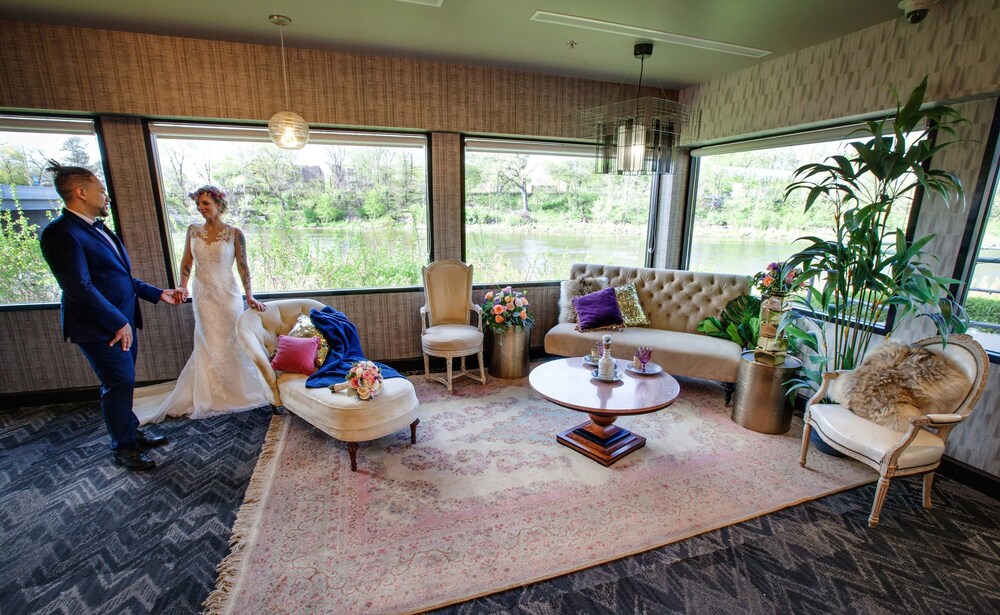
(228, 568)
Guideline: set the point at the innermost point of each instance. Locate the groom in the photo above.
(100, 304)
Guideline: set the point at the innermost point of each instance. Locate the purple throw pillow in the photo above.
(597, 310)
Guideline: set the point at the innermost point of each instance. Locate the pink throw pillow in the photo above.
(296, 354)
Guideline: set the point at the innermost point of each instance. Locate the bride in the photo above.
(218, 377)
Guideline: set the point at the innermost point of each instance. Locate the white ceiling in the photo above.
(496, 33)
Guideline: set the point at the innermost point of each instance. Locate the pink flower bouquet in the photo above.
(364, 380)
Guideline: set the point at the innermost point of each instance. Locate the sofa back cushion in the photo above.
(675, 300)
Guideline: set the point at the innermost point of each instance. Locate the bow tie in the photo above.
(99, 225)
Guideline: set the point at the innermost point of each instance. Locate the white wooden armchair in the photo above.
(894, 453)
(444, 320)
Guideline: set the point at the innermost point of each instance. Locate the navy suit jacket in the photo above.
(99, 294)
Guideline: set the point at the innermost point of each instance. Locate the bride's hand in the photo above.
(256, 305)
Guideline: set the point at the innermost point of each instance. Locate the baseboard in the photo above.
(970, 476)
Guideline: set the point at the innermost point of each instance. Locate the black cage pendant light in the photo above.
(638, 136)
(287, 129)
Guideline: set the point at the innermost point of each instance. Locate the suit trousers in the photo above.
(115, 368)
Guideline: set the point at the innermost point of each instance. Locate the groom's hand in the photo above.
(123, 335)
(172, 296)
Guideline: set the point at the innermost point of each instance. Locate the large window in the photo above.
(983, 299)
(533, 209)
(347, 211)
(30, 201)
(741, 221)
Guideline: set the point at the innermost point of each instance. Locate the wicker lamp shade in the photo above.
(288, 130)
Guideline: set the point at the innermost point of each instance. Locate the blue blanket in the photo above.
(345, 349)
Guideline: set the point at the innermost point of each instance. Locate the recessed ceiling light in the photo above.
(611, 27)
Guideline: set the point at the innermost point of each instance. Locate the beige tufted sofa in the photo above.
(675, 301)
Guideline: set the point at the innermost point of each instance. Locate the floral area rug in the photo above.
(487, 500)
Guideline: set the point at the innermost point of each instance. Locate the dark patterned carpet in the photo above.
(79, 535)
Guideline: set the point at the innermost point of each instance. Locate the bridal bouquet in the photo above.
(364, 379)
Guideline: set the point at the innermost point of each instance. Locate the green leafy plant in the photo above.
(739, 322)
(867, 266)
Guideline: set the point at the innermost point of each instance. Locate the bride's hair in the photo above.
(216, 193)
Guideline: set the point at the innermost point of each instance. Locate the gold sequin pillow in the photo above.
(304, 327)
(628, 303)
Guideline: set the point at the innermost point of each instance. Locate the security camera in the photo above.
(916, 10)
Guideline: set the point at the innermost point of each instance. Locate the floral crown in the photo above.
(216, 194)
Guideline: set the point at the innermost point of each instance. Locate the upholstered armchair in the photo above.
(444, 320)
(339, 415)
(894, 453)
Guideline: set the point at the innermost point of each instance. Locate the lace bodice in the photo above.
(213, 260)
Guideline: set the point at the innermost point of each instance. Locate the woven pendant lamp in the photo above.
(287, 129)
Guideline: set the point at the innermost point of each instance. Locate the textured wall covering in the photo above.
(448, 194)
(956, 46)
(139, 74)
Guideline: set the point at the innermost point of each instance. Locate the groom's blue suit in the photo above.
(100, 296)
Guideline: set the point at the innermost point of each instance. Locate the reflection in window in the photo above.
(30, 201)
(347, 211)
(742, 222)
(533, 209)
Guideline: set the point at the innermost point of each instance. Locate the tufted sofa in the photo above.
(675, 301)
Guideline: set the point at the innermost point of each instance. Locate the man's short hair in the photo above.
(68, 179)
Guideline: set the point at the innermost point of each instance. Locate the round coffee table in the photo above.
(569, 383)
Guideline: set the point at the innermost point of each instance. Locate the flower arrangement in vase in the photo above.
(506, 308)
(775, 283)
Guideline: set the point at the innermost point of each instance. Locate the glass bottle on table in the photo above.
(606, 365)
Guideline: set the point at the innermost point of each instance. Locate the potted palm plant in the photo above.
(854, 277)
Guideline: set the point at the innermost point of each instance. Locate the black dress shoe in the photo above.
(133, 459)
(148, 441)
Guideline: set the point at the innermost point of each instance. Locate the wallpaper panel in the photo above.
(110, 72)
(448, 195)
(956, 46)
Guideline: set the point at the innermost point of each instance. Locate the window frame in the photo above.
(22, 121)
(803, 136)
(216, 130)
(985, 196)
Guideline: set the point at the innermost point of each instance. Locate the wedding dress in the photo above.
(218, 377)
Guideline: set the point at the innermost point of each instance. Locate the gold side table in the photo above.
(760, 403)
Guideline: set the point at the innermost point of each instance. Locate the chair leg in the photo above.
(413, 431)
(928, 483)
(880, 491)
(806, 432)
(352, 450)
(729, 388)
(448, 359)
(482, 368)
(427, 367)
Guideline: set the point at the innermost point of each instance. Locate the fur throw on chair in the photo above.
(897, 382)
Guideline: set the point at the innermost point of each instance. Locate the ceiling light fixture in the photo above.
(637, 137)
(287, 129)
(586, 23)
